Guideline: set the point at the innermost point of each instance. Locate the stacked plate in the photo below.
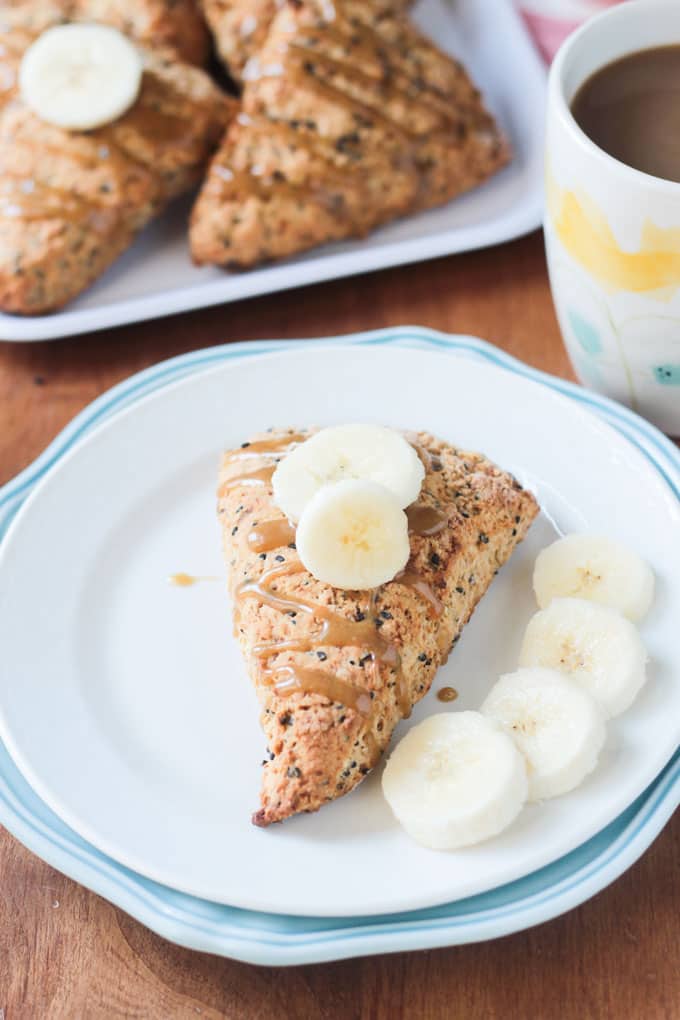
(130, 746)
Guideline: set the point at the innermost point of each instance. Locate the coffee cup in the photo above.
(612, 232)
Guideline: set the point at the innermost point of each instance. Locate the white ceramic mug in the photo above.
(613, 233)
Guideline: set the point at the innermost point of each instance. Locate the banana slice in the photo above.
(80, 76)
(370, 452)
(596, 568)
(454, 780)
(353, 534)
(597, 646)
(557, 726)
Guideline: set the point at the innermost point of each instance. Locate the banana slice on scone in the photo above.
(353, 535)
(556, 725)
(596, 568)
(454, 780)
(80, 77)
(597, 646)
(369, 452)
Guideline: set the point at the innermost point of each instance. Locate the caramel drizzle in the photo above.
(182, 580)
(447, 694)
(262, 476)
(260, 448)
(425, 520)
(268, 535)
(423, 588)
(287, 680)
(336, 630)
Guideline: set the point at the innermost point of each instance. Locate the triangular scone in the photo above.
(72, 201)
(240, 27)
(175, 26)
(346, 124)
(336, 670)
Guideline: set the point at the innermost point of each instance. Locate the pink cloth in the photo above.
(551, 21)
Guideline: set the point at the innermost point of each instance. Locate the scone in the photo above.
(240, 27)
(72, 201)
(174, 26)
(336, 670)
(346, 124)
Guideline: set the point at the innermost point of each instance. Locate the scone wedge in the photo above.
(348, 121)
(336, 670)
(72, 201)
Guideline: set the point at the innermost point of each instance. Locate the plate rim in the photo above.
(515, 221)
(76, 864)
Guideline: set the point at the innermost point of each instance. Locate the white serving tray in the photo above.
(156, 276)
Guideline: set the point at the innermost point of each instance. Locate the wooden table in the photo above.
(66, 953)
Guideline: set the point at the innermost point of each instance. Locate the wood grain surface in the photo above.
(66, 953)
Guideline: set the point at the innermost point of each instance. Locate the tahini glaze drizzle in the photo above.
(336, 630)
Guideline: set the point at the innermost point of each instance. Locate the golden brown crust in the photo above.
(345, 125)
(174, 26)
(321, 748)
(71, 202)
(240, 27)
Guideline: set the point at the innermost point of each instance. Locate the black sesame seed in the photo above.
(517, 520)
(322, 656)
(286, 719)
(293, 772)
(359, 616)
(513, 532)
(243, 445)
(422, 657)
(365, 658)
(263, 556)
(291, 545)
(364, 769)
(280, 558)
(483, 538)
(378, 622)
(461, 591)
(292, 612)
(437, 465)
(435, 560)
(386, 614)
(234, 529)
(352, 764)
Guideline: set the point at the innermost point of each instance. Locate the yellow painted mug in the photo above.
(613, 233)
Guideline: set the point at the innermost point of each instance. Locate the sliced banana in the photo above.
(556, 725)
(353, 534)
(370, 452)
(595, 645)
(454, 780)
(80, 76)
(596, 568)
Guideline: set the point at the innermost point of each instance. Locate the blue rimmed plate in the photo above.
(275, 939)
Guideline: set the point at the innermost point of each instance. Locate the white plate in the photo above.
(125, 703)
(156, 277)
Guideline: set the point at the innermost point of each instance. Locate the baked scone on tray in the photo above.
(337, 667)
(346, 123)
(175, 26)
(71, 200)
(240, 27)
